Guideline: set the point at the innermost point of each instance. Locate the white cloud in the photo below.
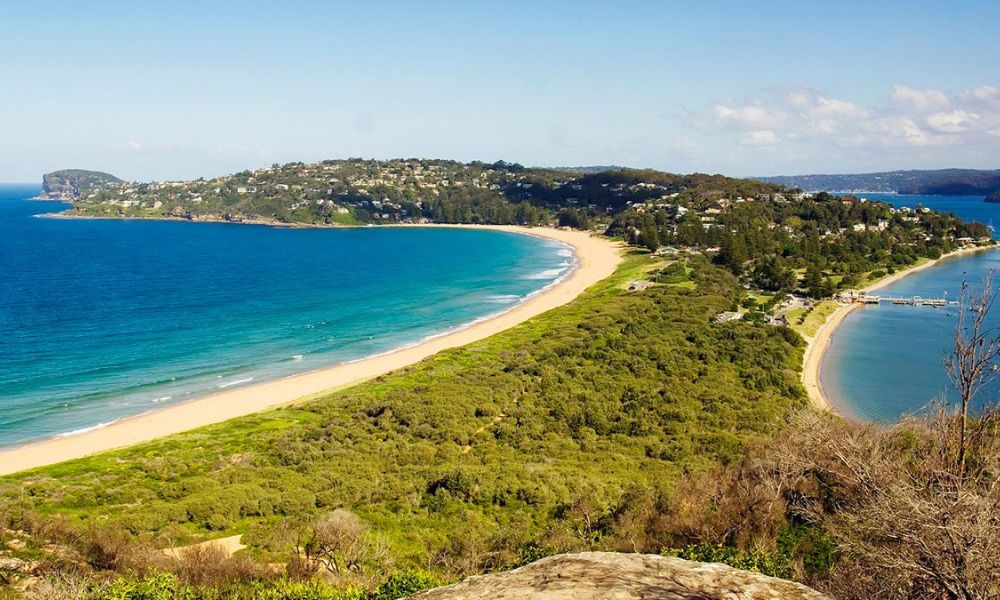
(922, 100)
(805, 121)
(830, 108)
(985, 93)
(759, 138)
(750, 116)
(955, 121)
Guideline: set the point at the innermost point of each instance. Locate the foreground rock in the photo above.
(608, 575)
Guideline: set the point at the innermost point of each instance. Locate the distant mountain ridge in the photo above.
(943, 182)
(70, 184)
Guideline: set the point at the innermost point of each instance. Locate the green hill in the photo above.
(353, 191)
(70, 184)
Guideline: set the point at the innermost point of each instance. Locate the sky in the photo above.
(180, 90)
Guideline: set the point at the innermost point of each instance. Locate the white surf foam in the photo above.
(235, 382)
(85, 429)
(503, 298)
(547, 274)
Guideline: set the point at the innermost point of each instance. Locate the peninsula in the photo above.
(605, 412)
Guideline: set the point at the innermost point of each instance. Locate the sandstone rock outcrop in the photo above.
(614, 576)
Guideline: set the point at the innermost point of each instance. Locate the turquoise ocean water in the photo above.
(104, 319)
(888, 360)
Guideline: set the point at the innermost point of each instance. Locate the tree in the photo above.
(771, 274)
(575, 218)
(733, 254)
(339, 542)
(648, 237)
(815, 284)
(904, 524)
(973, 362)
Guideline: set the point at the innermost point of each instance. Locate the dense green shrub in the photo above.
(775, 565)
(402, 584)
(551, 423)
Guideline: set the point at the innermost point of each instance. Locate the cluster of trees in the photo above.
(472, 206)
(769, 243)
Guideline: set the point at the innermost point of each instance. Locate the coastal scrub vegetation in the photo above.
(565, 433)
(859, 510)
(627, 420)
(907, 510)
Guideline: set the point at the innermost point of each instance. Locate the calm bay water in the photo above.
(888, 360)
(104, 319)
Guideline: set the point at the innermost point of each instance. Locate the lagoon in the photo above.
(888, 360)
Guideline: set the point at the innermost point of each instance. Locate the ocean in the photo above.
(888, 360)
(103, 319)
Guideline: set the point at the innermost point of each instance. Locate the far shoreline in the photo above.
(594, 259)
(817, 345)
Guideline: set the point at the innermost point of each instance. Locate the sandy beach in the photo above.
(596, 259)
(817, 345)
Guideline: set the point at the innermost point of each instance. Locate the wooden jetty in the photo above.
(863, 298)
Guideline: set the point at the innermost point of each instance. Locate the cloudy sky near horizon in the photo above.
(205, 88)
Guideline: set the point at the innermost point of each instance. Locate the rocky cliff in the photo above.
(70, 184)
(608, 575)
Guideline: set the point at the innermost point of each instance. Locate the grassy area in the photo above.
(546, 437)
(807, 321)
(761, 298)
(876, 276)
(673, 273)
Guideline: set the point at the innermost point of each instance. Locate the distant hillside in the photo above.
(70, 184)
(945, 182)
(356, 191)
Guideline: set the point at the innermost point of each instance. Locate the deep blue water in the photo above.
(888, 360)
(104, 319)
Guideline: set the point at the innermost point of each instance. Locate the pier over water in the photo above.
(865, 298)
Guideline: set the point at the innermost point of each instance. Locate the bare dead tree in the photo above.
(973, 362)
(888, 496)
(340, 542)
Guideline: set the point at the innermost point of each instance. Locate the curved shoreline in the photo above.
(817, 345)
(595, 259)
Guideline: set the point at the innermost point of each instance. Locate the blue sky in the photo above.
(191, 89)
